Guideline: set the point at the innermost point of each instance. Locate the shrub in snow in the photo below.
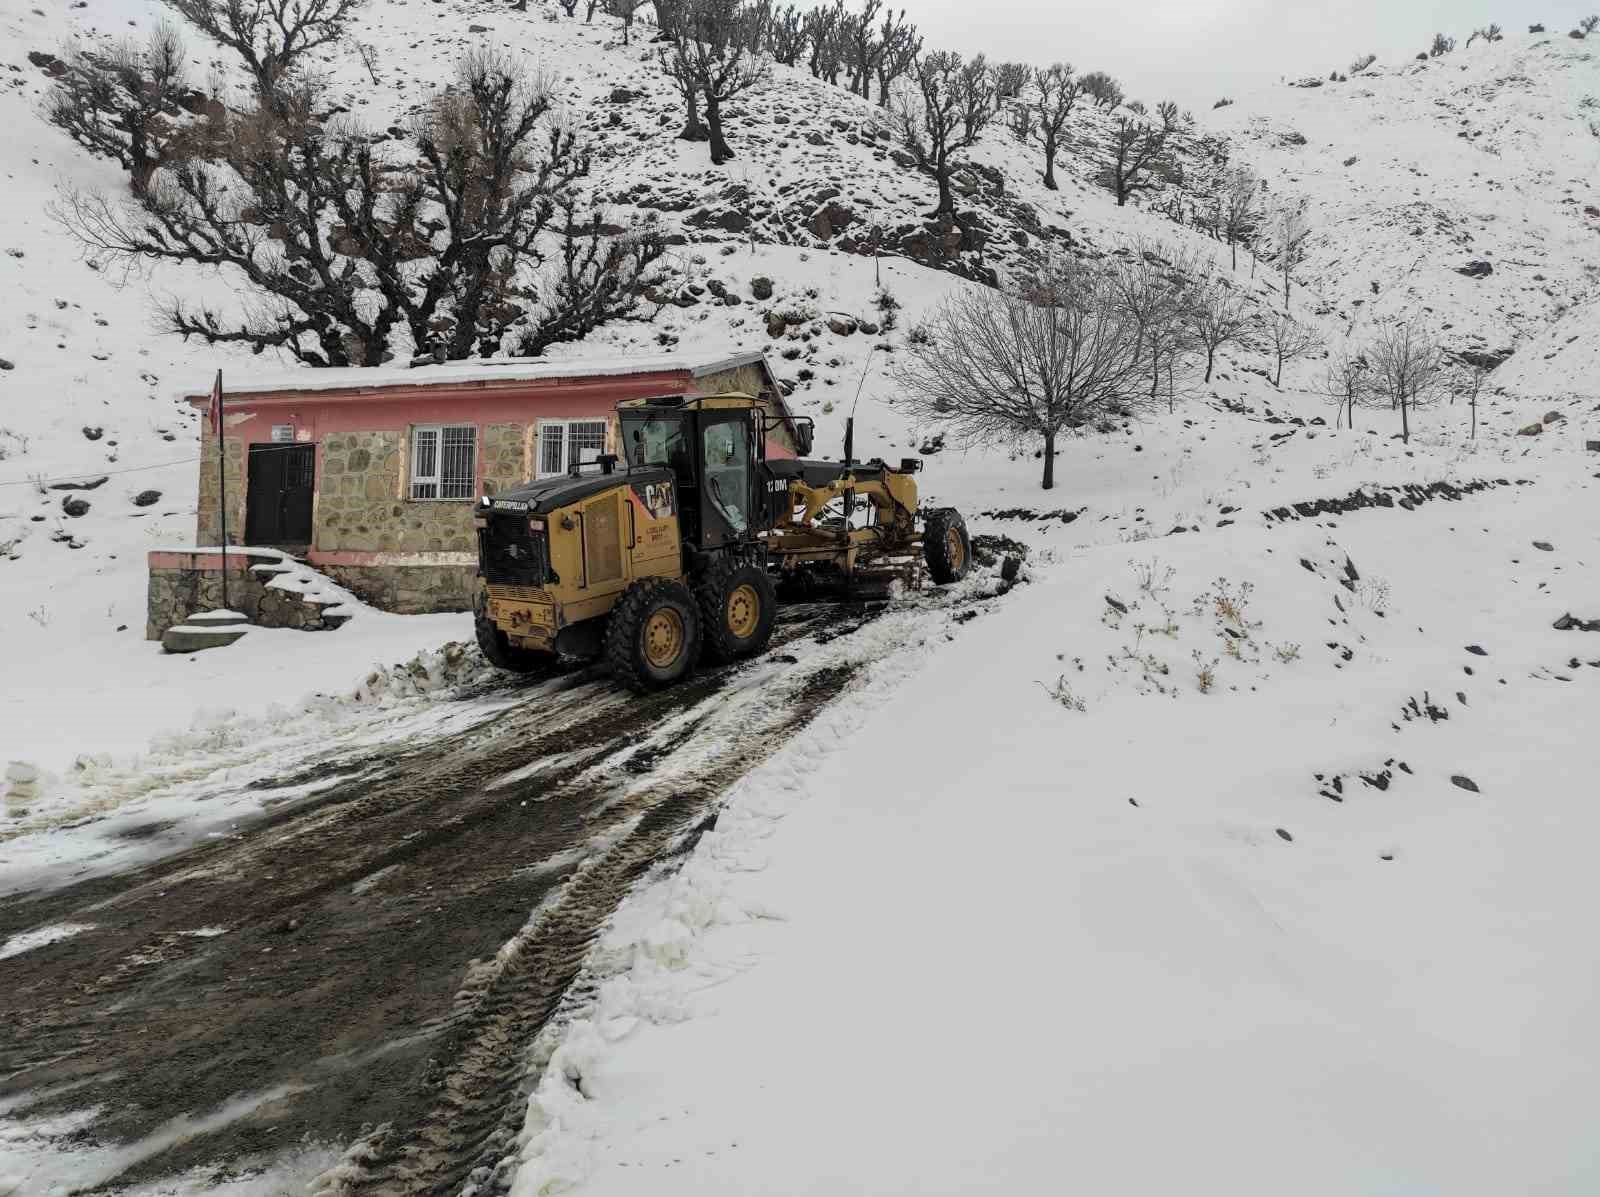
(1442, 45)
(1105, 91)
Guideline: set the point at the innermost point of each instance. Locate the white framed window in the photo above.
(444, 461)
(563, 442)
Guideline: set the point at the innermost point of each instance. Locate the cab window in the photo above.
(727, 456)
(657, 441)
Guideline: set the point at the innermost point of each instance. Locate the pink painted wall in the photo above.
(317, 414)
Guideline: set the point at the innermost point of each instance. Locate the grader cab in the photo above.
(678, 548)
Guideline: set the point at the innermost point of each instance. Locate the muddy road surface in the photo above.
(366, 958)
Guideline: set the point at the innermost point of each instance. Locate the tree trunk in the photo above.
(1277, 380)
(694, 128)
(1049, 482)
(1405, 420)
(947, 204)
(720, 152)
(1211, 358)
(1474, 417)
(1234, 246)
(1050, 163)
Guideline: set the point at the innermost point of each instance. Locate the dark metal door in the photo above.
(278, 498)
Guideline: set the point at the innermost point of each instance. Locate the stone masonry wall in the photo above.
(409, 589)
(208, 524)
(176, 592)
(363, 501)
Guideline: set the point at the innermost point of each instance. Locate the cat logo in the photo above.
(658, 500)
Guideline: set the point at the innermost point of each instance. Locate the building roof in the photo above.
(372, 378)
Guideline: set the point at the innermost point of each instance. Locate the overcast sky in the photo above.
(1196, 50)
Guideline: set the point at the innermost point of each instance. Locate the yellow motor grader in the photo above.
(678, 548)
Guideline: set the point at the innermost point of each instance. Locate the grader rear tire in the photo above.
(738, 605)
(499, 651)
(653, 635)
(946, 546)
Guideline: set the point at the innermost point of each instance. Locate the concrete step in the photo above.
(216, 619)
(194, 638)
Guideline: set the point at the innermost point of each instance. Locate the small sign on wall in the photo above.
(282, 434)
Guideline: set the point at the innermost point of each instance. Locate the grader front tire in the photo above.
(946, 546)
(738, 604)
(653, 635)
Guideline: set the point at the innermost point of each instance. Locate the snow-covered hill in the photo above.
(1180, 859)
(1461, 189)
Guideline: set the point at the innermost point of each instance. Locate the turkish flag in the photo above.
(214, 410)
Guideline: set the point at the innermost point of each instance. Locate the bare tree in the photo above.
(1362, 63)
(1291, 229)
(1036, 361)
(368, 53)
(787, 36)
(597, 279)
(270, 36)
(1442, 45)
(1009, 80)
(127, 104)
(709, 56)
(1138, 154)
(1100, 87)
(1348, 383)
(954, 102)
(625, 11)
(1239, 203)
(340, 242)
(1020, 120)
(862, 47)
(900, 45)
(1151, 283)
(826, 29)
(1406, 365)
(1589, 24)
(1215, 315)
(1289, 340)
(1477, 374)
(1057, 91)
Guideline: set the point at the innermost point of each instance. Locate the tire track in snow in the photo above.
(353, 915)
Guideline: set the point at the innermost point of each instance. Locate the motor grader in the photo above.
(678, 548)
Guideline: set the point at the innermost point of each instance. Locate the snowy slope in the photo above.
(1416, 170)
(965, 933)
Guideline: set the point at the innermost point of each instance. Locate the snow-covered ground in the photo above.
(1231, 853)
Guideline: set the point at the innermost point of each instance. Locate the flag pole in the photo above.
(222, 484)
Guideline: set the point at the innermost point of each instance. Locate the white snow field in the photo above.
(1230, 853)
(973, 940)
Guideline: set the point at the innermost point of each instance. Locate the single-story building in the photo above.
(370, 475)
